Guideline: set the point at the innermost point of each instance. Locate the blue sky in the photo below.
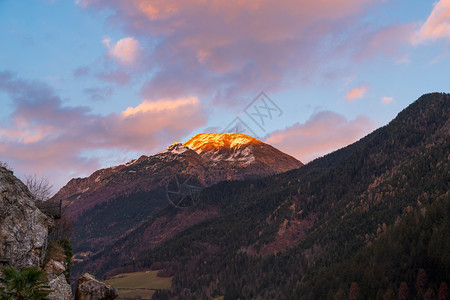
(91, 83)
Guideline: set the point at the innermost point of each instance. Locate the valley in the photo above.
(224, 150)
(141, 285)
(319, 217)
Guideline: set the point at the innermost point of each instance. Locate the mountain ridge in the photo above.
(112, 202)
(337, 205)
(197, 147)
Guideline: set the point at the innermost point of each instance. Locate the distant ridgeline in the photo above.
(369, 220)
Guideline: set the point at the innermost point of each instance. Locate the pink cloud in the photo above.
(323, 133)
(387, 100)
(356, 93)
(437, 26)
(389, 40)
(43, 135)
(126, 50)
(226, 48)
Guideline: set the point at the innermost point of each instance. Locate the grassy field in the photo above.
(139, 285)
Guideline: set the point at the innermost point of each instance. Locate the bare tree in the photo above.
(4, 165)
(40, 187)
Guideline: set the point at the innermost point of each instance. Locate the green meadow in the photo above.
(139, 285)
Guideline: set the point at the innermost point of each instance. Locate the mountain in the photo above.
(363, 220)
(111, 203)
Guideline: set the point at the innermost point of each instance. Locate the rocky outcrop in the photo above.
(54, 268)
(61, 288)
(90, 288)
(24, 234)
(57, 281)
(23, 227)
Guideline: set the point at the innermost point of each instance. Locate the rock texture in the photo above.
(61, 288)
(57, 281)
(54, 268)
(90, 288)
(23, 227)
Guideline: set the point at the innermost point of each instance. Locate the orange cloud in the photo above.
(437, 26)
(126, 50)
(162, 105)
(387, 100)
(321, 134)
(356, 93)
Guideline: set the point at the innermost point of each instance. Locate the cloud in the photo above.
(160, 106)
(437, 26)
(387, 100)
(356, 93)
(390, 41)
(349, 79)
(99, 94)
(81, 71)
(126, 50)
(323, 133)
(43, 135)
(226, 48)
(118, 76)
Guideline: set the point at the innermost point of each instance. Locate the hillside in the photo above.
(112, 203)
(275, 236)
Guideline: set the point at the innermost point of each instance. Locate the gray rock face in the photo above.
(61, 288)
(23, 227)
(90, 288)
(57, 281)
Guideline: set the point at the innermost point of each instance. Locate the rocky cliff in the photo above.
(23, 227)
(24, 232)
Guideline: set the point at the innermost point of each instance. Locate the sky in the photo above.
(89, 84)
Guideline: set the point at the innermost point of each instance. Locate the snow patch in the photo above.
(177, 148)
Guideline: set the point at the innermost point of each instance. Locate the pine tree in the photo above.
(429, 295)
(389, 295)
(340, 294)
(354, 291)
(421, 281)
(403, 291)
(443, 291)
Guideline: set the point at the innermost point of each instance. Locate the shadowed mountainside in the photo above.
(112, 203)
(276, 237)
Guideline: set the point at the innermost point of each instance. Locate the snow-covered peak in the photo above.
(212, 141)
